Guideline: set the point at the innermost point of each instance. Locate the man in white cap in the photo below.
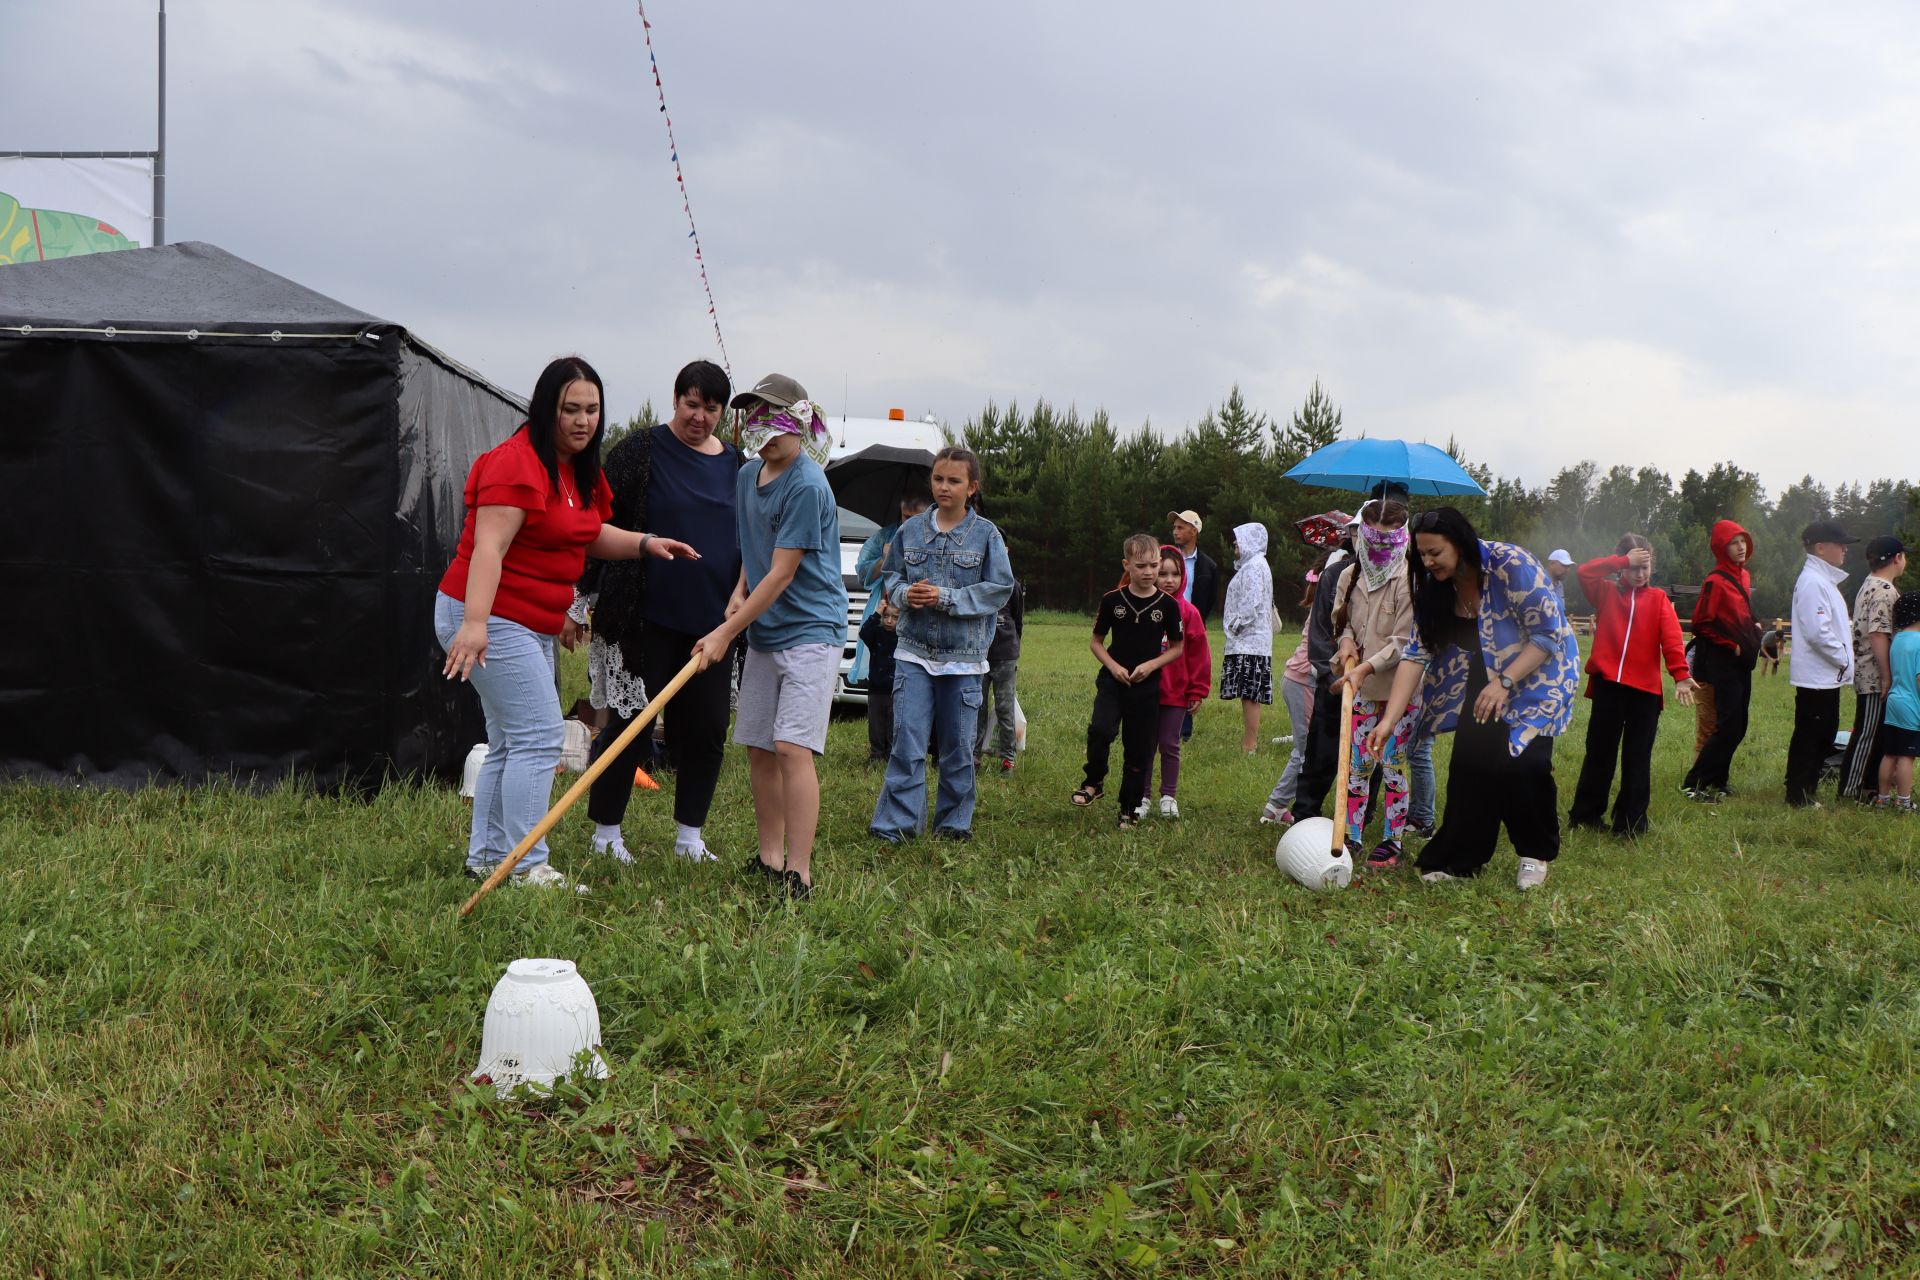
(1203, 575)
(1559, 565)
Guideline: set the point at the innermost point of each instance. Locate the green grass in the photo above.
(235, 1030)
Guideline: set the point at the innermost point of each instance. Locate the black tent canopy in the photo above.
(225, 501)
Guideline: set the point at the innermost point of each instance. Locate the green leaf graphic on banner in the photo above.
(36, 235)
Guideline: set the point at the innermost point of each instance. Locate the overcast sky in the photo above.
(1644, 233)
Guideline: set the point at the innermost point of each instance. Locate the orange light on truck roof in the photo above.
(896, 415)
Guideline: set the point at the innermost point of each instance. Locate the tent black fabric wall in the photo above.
(225, 501)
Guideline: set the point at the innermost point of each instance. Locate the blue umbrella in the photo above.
(1359, 465)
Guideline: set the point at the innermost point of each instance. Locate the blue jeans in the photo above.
(524, 736)
(949, 706)
(1425, 788)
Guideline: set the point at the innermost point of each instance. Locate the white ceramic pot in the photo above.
(540, 1017)
(470, 774)
(1306, 854)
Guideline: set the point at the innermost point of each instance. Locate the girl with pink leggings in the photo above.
(1372, 620)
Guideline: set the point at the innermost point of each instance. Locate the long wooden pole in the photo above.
(579, 788)
(1341, 773)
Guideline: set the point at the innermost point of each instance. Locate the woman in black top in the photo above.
(646, 621)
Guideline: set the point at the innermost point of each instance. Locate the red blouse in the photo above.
(547, 556)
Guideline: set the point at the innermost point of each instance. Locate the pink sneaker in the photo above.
(1385, 856)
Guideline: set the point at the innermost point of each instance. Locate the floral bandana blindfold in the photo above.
(802, 418)
(1383, 553)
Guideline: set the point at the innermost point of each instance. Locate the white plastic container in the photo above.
(470, 774)
(540, 1017)
(1306, 854)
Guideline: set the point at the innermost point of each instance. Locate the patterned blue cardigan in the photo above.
(1518, 606)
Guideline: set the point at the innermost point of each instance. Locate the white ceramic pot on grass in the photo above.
(540, 1017)
(1306, 854)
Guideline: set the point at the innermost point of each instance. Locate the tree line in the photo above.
(1067, 490)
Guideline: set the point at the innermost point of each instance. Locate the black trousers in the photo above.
(1719, 667)
(1816, 719)
(1323, 752)
(1623, 723)
(1132, 712)
(1860, 772)
(696, 732)
(1488, 787)
(879, 718)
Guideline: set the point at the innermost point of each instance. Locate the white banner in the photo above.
(61, 208)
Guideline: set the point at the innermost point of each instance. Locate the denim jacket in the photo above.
(969, 565)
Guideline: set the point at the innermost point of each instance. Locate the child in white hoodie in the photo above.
(1822, 662)
(1247, 672)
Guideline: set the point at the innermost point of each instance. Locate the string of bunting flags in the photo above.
(680, 179)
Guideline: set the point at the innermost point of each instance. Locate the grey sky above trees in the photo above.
(1642, 233)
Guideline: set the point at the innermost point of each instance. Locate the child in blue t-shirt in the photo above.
(1900, 731)
(792, 603)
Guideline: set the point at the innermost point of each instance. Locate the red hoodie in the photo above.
(1631, 629)
(1722, 612)
(1188, 678)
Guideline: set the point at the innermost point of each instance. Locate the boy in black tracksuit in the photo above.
(1003, 665)
(878, 633)
(1139, 617)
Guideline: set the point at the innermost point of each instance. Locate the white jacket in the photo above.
(1249, 613)
(1822, 636)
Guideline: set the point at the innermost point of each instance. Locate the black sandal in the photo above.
(1084, 795)
(756, 864)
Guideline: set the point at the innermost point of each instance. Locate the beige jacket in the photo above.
(1379, 624)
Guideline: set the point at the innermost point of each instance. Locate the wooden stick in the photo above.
(578, 789)
(1340, 776)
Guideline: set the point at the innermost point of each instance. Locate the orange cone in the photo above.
(641, 778)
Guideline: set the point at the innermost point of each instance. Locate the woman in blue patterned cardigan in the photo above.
(1495, 660)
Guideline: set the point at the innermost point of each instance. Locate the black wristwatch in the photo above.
(1506, 681)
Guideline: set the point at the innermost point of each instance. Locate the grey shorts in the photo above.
(786, 696)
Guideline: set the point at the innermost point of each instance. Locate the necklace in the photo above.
(1126, 598)
(567, 491)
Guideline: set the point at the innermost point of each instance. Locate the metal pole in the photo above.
(160, 154)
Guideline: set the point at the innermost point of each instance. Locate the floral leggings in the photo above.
(1366, 714)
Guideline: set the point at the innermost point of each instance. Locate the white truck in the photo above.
(851, 435)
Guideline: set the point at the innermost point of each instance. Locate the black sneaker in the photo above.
(953, 833)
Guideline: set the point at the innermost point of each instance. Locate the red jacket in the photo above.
(1188, 678)
(1631, 629)
(1722, 612)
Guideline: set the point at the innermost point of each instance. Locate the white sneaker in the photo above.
(1144, 808)
(1169, 807)
(543, 877)
(1533, 873)
(1435, 877)
(615, 848)
(695, 852)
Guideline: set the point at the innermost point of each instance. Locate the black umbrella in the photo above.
(873, 481)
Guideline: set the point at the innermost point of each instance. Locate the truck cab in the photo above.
(850, 436)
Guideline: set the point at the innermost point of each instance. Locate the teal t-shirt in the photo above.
(796, 509)
(1903, 702)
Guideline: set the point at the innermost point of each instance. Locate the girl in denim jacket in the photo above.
(947, 572)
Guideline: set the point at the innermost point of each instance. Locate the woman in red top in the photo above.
(536, 506)
(1634, 628)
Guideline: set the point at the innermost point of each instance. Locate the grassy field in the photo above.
(235, 1032)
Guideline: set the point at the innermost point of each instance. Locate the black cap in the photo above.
(1825, 531)
(1884, 548)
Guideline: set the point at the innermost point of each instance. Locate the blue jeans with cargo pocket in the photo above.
(949, 707)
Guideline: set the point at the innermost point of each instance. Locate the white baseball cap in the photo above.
(1559, 556)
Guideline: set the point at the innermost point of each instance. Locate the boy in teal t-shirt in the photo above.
(792, 604)
(1901, 728)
